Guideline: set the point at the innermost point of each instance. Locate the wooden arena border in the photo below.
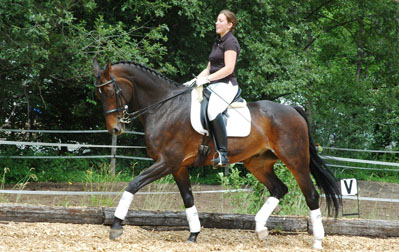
(91, 215)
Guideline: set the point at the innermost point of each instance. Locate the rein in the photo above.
(126, 116)
(138, 113)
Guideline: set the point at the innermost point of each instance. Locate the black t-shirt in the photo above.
(216, 58)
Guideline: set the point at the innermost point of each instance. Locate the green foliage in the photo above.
(337, 59)
(351, 103)
(204, 175)
(3, 182)
(52, 170)
(244, 202)
(47, 48)
(293, 202)
(100, 180)
(19, 185)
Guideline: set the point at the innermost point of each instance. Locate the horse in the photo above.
(278, 132)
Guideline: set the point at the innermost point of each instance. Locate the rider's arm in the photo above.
(205, 72)
(230, 57)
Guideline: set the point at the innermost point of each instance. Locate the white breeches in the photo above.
(222, 94)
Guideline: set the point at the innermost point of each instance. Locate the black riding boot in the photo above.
(220, 137)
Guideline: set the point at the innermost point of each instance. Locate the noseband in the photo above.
(123, 114)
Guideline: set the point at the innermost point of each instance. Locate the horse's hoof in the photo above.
(115, 233)
(262, 235)
(192, 238)
(317, 245)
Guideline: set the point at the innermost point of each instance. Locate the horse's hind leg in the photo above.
(299, 167)
(312, 200)
(261, 166)
(182, 179)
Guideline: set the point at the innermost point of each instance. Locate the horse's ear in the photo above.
(96, 68)
(107, 70)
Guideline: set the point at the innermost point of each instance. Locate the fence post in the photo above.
(113, 153)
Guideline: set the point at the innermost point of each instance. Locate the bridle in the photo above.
(123, 114)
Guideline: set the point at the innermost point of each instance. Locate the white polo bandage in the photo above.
(265, 212)
(317, 224)
(193, 219)
(124, 204)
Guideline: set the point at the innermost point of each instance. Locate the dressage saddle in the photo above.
(238, 100)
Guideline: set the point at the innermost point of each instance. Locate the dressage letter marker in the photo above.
(349, 187)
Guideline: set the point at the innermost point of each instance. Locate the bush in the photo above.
(293, 202)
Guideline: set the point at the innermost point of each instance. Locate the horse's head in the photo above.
(114, 92)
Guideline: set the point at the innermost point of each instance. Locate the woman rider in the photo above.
(223, 83)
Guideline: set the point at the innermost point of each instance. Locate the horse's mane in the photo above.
(147, 69)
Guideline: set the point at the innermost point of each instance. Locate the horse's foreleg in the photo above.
(263, 215)
(182, 179)
(152, 173)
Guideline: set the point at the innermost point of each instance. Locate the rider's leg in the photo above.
(222, 94)
(219, 134)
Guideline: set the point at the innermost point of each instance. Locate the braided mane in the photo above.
(147, 69)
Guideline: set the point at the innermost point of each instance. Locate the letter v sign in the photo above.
(349, 186)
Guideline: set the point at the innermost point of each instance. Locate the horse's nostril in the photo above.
(115, 130)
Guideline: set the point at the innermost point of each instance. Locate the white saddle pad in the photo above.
(238, 122)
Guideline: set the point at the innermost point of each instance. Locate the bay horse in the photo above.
(277, 132)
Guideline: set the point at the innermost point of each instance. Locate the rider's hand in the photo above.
(189, 83)
(202, 80)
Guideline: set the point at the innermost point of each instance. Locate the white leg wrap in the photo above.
(193, 219)
(124, 205)
(318, 229)
(264, 213)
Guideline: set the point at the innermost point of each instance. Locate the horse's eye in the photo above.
(109, 92)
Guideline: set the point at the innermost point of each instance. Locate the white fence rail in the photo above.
(81, 193)
(361, 150)
(114, 147)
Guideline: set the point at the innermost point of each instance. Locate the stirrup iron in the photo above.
(220, 161)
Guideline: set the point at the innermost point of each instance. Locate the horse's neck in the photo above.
(149, 90)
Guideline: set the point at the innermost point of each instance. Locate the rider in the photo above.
(223, 83)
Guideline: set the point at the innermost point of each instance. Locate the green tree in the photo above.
(354, 100)
(337, 59)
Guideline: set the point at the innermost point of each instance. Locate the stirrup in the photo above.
(220, 161)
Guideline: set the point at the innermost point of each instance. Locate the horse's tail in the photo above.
(325, 179)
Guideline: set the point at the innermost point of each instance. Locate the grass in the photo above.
(161, 202)
(2, 184)
(101, 180)
(20, 185)
(293, 203)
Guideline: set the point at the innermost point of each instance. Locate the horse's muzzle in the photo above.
(118, 129)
